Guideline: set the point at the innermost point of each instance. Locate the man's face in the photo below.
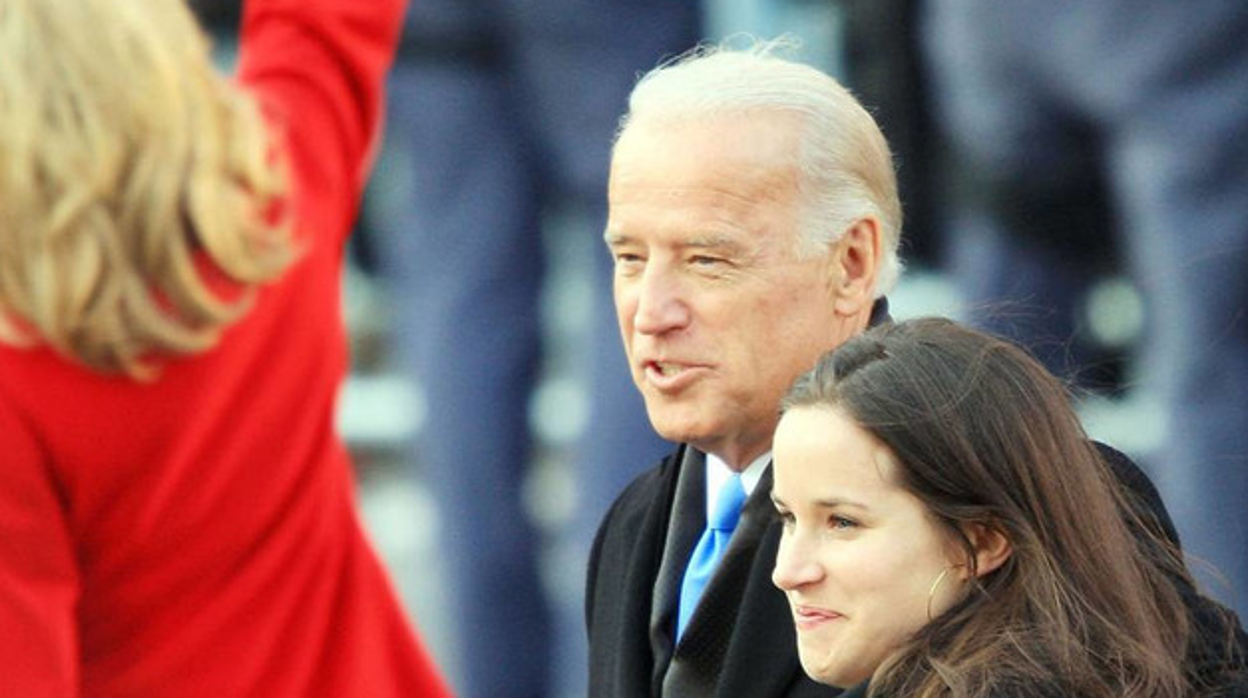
(717, 313)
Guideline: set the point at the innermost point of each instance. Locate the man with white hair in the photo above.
(754, 222)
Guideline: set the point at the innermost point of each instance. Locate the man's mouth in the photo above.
(666, 369)
(670, 376)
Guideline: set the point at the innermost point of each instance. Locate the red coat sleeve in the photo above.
(318, 69)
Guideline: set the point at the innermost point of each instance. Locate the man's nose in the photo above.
(662, 302)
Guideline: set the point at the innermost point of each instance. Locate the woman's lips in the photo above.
(811, 617)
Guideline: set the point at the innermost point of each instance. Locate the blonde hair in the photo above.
(128, 161)
(846, 166)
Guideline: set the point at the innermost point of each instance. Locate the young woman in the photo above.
(950, 530)
(177, 515)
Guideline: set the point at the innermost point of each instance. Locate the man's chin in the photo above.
(678, 429)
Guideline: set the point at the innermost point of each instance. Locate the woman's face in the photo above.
(859, 555)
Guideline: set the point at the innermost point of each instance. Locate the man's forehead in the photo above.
(705, 172)
(748, 134)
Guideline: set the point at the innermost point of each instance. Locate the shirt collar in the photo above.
(718, 472)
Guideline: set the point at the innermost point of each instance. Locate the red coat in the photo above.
(198, 536)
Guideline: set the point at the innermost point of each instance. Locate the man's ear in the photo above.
(856, 261)
(992, 547)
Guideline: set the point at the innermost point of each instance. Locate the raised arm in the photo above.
(318, 67)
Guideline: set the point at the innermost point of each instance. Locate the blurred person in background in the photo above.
(1046, 308)
(177, 513)
(502, 114)
(1080, 128)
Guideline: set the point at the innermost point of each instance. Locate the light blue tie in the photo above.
(710, 549)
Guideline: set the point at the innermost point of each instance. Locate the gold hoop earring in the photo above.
(931, 593)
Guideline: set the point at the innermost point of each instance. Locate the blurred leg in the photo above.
(466, 262)
(1182, 165)
(1030, 229)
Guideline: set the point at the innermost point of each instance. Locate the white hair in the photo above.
(845, 165)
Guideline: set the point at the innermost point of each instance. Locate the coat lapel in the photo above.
(688, 519)
(623, 566)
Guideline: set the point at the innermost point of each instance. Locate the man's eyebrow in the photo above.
(702, 241)
(613, 238)
(713, 242)
(722, 244)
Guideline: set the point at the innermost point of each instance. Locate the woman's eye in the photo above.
(840, 522)
(785, 517)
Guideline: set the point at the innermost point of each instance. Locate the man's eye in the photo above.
(705, 261)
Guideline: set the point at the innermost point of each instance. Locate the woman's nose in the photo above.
(796, 565)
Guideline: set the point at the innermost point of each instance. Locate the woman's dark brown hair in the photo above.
(987, 437)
